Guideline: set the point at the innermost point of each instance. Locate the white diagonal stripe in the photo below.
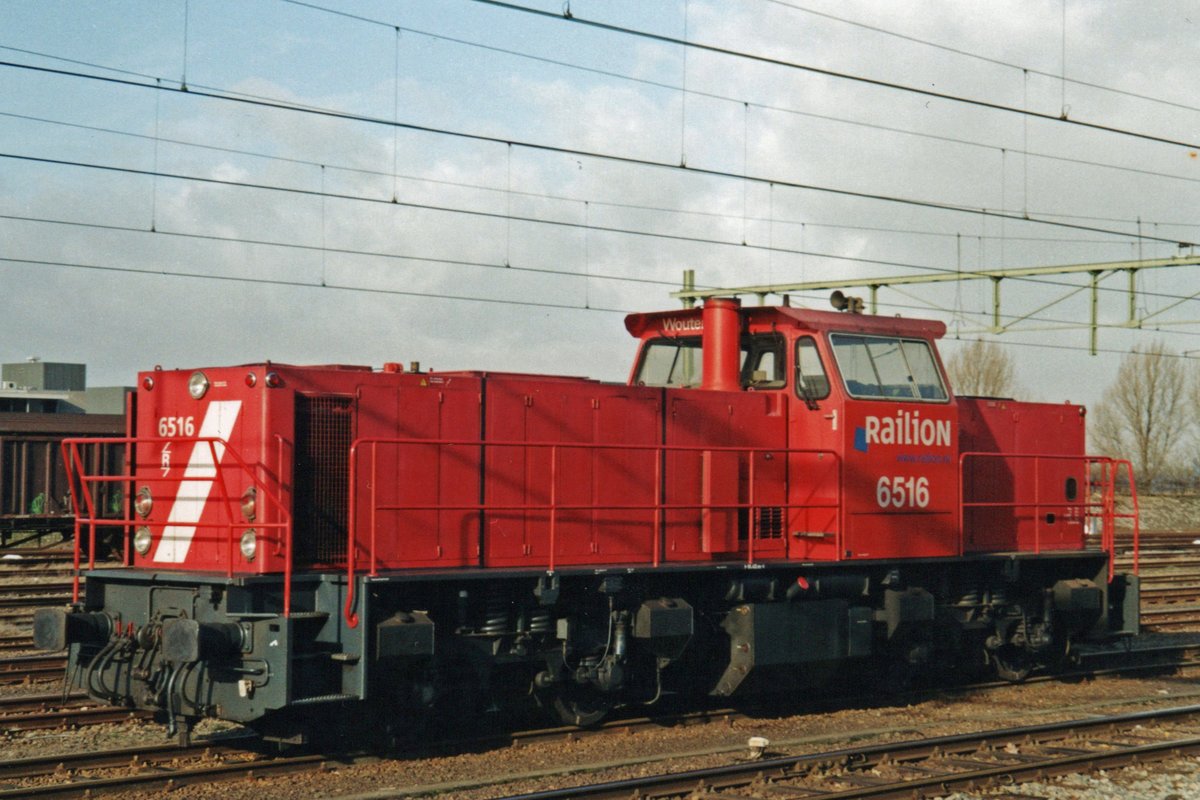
(197, 482)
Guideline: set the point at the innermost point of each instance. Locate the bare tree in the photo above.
(981, 368)
(1145, 415)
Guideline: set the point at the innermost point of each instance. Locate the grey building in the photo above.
(36, 386)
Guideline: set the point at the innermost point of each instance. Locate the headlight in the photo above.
(197, 385)
(249, 544)
(143, 504)
(141, 540)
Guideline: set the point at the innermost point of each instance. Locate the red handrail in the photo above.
(1109, 469)
(553, 507)
(81, 481)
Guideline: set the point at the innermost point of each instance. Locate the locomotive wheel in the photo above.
(581, 707)
(1012, 664)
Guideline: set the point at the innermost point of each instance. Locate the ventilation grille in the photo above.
(769, 522)
(324, 432)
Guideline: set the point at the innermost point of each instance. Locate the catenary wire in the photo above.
(176, 273)
(609, 157)
(980, 57)
(467, 298)
(559, 273)
(508, 216)
(663, 38)
(742, 54)
(346, 251)
(637, 206)
(830, 255)
(772, 107)
(497, 265)
(631, 78)
(659, 84)
(780, 221)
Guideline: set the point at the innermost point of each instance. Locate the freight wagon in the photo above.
(35, 496)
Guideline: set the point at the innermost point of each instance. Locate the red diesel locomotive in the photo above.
(776, 493)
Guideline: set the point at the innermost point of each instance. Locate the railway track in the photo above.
(164, 767)
(11, 594)
(1171, 618)
(34, 555)
(168, 766)
(926, 767)
(1169, 565)
(31, 669)
(1169, 593)
(21, 617)
(50, 711)
(15, 644)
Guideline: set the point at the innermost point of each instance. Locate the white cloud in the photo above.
(185, 321)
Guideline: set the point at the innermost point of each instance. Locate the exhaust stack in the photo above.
(722, 346)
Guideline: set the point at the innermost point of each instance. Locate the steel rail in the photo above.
(144, 755)
(22, 669)
(169, 773)
(16, 644)
(19, 704)
(69, 716)
(55, 588)
(165, 777)
(746, 773)
(34, 602)
(16, 615)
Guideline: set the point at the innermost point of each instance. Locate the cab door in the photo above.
(814, 468)
(900, 434)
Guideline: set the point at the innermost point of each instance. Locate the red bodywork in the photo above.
(374, 471)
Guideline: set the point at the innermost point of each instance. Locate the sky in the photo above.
(473, 186)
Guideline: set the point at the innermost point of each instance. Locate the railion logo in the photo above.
(906, 428)
(681, 325)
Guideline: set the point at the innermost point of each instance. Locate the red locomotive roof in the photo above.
(686, 322)
(481, 373)
(339, 367)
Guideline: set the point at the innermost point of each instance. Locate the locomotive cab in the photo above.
(867, 402)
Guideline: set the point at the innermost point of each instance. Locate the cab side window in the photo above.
(671, 362)
(763, 362)
(811, 381)
(887, 366)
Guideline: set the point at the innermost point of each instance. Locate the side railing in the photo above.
(656, 455)
(1109, 470)
(1099, 477)
(211, 461)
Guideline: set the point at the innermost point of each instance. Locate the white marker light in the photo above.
(143, 504)
(142, 540)
(249, 544)
(197, 385)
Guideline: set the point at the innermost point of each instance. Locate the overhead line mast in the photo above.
(1098, 271)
